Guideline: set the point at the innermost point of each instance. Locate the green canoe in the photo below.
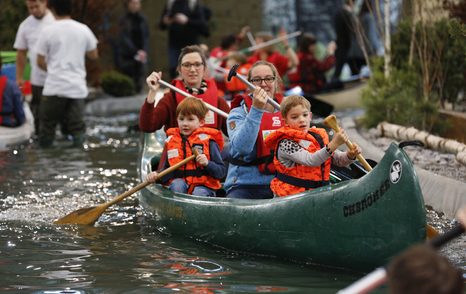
(357, 224)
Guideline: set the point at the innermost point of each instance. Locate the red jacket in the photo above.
(164, 114)
(280, 61)
(310, 75)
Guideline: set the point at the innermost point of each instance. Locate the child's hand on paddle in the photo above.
(152, 177)
(352, 153)
(202, 159)
(338, 139)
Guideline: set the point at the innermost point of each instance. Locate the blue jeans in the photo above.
(180, 186)
(250, 192)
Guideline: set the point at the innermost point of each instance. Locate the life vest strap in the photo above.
(189, 173)
(255, 162)
(308, 184)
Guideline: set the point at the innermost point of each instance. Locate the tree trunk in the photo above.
(387, 43)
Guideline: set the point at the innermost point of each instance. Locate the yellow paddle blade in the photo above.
(431, 232)
(83, 216)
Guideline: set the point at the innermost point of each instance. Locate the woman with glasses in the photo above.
(192, 71)
(251, 119)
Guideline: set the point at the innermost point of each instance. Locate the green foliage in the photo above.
(397, 99)
(454, 60)
(117, 84)
(13, 12)
(405, 98)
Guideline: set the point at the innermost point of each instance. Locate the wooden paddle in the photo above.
(89, 215)
(331, 121)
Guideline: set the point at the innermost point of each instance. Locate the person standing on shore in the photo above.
(132, 44)
(26, 38)
(61, 51)
(186, 22)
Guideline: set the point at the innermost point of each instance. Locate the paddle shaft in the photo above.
(144, 184)
(252, 87)
(379, 276)
(272, 41)
(89, 215)
(331, 121)
(210, 107)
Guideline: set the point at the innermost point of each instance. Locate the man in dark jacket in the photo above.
(186, 21)
(132, 46)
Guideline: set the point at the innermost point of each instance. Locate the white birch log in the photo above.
(430, 141)
(461, 157)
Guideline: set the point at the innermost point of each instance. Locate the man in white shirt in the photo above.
(26, 37)
(61, 50)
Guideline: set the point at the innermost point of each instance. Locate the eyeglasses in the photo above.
(187, 65)
(258, 81)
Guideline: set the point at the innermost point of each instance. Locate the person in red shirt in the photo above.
(310, 74)
(219, 55)
(192, 71)
(271, 54)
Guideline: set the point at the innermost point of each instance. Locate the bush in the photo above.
(117, 84)
(414, 92)
(397, 99)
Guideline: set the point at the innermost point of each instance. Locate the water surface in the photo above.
(123, 253)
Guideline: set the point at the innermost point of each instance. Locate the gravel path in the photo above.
(444, 164)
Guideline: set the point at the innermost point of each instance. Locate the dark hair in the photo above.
(421, 270)
(228, 41)
(61, 7)
(191, 49)
(306, 40)
(266, 36)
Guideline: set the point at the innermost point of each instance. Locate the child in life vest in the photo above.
(200, 176)
(303, 155)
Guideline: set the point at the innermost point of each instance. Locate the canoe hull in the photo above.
(14, 136)
(356, 224)
(349, 97)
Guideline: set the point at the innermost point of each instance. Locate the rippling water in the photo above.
(123, 253)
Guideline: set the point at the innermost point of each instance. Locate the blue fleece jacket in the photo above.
(243, 129)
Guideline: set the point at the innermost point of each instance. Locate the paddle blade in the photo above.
(431, 232)
(83, 216)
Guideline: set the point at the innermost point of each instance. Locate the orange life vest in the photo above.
(269, 123)
(178, 148)
(210, 96)
(299, 178)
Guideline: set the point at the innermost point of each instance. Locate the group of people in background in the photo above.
(57, 47)
(186, 23)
